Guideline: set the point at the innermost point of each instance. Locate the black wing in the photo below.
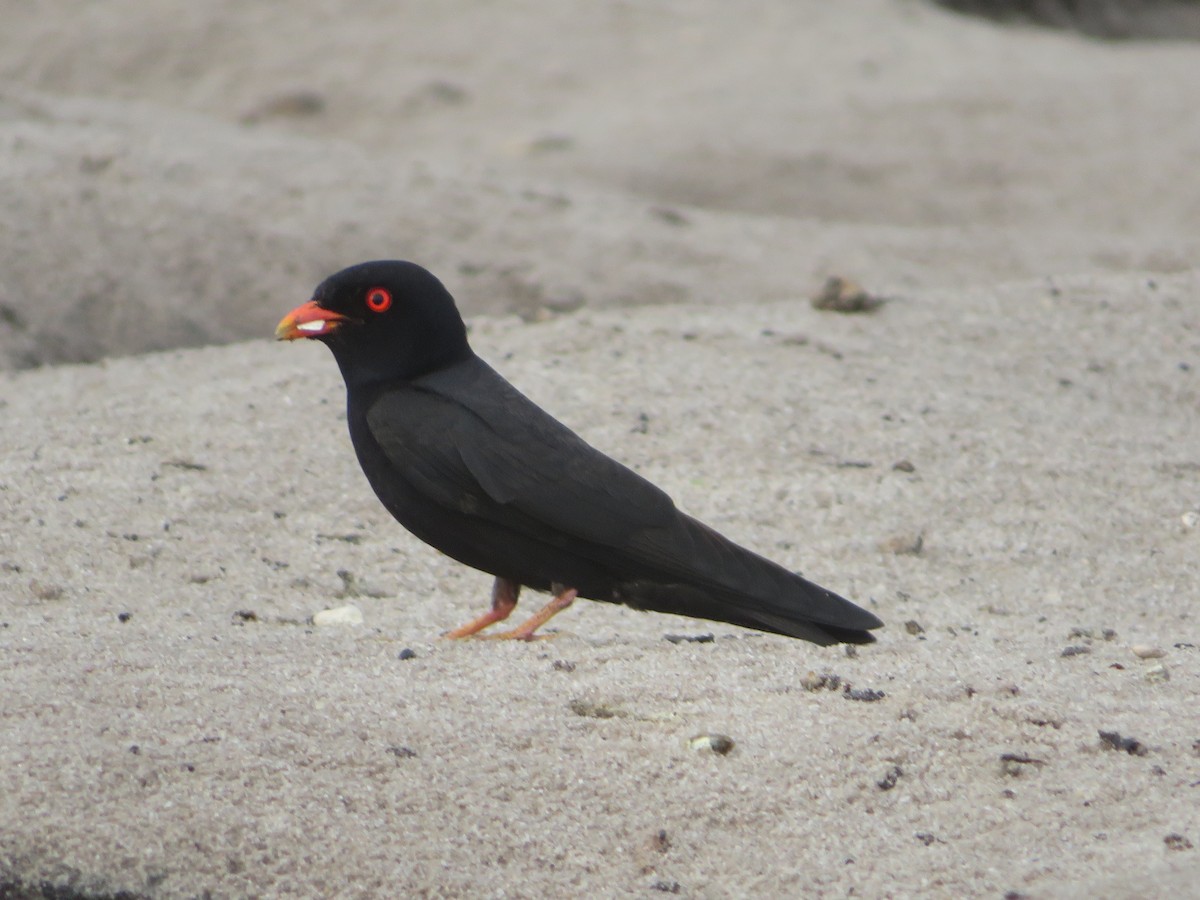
(464, 432)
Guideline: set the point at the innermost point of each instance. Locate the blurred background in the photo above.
(174, 174)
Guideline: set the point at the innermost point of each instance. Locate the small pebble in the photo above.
(339, 615)
(811, 681)
(1145, 651)
(719, 744)
(407, 653)
(1190, 519)
(1157, 674)
(863, 695)
(1114, 740)
(890, 778)
(1176, 841)
(846, 296)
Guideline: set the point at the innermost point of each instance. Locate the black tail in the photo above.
(701, 573)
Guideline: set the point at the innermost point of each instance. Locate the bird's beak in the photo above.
(307, 321)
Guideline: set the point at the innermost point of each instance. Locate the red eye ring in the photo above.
(379, 299)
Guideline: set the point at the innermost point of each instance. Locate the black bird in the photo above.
(470, 465)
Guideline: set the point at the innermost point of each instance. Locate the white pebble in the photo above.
(1190, 519)
(716, 743)
(1158, 673)
(1145, 651)
(339, 615)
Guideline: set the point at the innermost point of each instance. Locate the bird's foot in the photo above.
(525, 631)
(504, 601)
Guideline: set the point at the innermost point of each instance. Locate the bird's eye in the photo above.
(379, 300)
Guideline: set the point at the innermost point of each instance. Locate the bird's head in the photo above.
(384, 321)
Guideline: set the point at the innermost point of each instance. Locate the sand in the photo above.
(634, 206)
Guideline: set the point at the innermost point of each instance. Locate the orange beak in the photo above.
(307, 321)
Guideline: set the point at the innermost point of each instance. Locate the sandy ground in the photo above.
(633, 205)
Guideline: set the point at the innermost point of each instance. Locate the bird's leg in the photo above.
(563, 597)
(504, 601)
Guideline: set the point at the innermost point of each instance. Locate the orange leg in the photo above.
(504, 601)
(563, 597)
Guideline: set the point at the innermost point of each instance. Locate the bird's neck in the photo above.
(413, 363)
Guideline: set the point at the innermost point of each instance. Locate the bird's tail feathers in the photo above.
(728, 583)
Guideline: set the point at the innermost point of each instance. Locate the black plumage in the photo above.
(473, 467)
